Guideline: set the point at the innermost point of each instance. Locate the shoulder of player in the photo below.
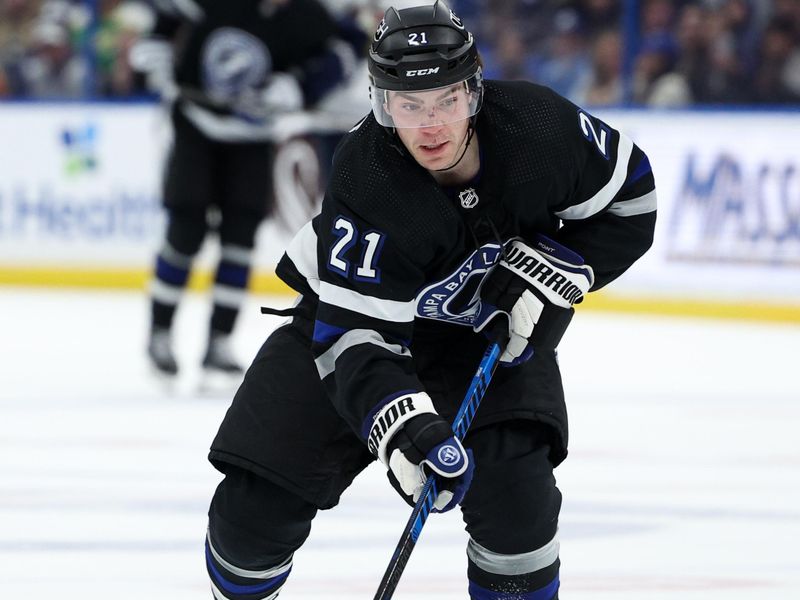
(528, 107)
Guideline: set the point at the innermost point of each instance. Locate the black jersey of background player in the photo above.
(225, 49)
(394, 261)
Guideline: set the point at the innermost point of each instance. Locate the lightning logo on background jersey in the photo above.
(234, 61)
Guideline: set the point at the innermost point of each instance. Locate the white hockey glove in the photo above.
(535, 288)
(153, 56)
(282, 94)
(412, 440)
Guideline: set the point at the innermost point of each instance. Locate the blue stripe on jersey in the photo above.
(325, 333)
(367, 424)
(642, 169)
(169, 273)
(548, 592)
(232, 274)
(233, 588)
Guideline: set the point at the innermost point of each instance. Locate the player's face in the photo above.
(432, 125)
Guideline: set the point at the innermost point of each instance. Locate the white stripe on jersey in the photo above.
(326, 363)
(635, 206)
(513, 564)
(601, 199)
(302, 251)
(370, 306)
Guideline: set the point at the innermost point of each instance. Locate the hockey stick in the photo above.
(423, 507)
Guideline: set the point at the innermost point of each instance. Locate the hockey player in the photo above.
(229, 68)
(456, 206)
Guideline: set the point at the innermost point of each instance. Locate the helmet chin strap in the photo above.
(468, 136)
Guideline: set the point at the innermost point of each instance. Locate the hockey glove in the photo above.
(153, 56)
(412, 440)
(535, 288)
(282, 94)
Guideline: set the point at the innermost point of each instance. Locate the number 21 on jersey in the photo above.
(371, 243)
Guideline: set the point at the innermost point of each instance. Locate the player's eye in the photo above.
(410, 107)
(448, 103)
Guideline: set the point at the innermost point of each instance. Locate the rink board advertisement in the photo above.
(80, 192)
(728, 186)
(80, 186)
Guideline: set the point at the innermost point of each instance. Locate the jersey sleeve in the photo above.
(365, 315)
(336, 60)
(608, 206)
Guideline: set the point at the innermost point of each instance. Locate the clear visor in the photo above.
(428, 108)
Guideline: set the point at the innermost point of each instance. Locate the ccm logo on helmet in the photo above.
(418, 72)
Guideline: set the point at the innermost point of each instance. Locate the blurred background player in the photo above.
(228, 71)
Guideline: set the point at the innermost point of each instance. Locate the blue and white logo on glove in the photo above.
(448, 458)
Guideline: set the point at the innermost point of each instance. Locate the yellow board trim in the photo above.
(268, 283)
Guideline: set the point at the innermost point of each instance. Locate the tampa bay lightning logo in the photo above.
(233, 62)
(455, 298)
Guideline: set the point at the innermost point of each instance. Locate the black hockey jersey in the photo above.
(392, 265)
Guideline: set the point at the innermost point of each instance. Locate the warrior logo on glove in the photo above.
(523, 261)
(535, 288)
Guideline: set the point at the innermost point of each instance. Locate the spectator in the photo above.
(17, 18)
(605, 84)
(773, 81)
(657, 17)
(122, 23)
(565, 67)
(599, 16)
(51, 69)
(508, 58)
(655, 81)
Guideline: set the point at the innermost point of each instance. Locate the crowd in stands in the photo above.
(671, 53)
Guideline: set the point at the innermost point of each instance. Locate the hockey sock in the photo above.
(229, 582)
(171, 274)
(230, 286)
(529, 576)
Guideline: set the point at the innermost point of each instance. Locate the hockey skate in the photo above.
(159, 350)
(222, 373)
(219, 356)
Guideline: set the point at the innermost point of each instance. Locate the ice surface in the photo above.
(683, 478)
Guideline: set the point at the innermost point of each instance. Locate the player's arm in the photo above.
(362, 334)
(606, 201)
(153, 53)
(341, 42)
(608, 205)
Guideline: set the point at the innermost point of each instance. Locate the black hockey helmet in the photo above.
(422, 48)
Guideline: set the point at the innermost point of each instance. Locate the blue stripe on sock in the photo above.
(233, 588)
(232, 275)
(548, 592)
(171, 274)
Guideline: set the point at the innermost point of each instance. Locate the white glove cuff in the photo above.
(389, 419)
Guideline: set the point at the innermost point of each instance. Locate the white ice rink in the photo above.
(683, 479)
